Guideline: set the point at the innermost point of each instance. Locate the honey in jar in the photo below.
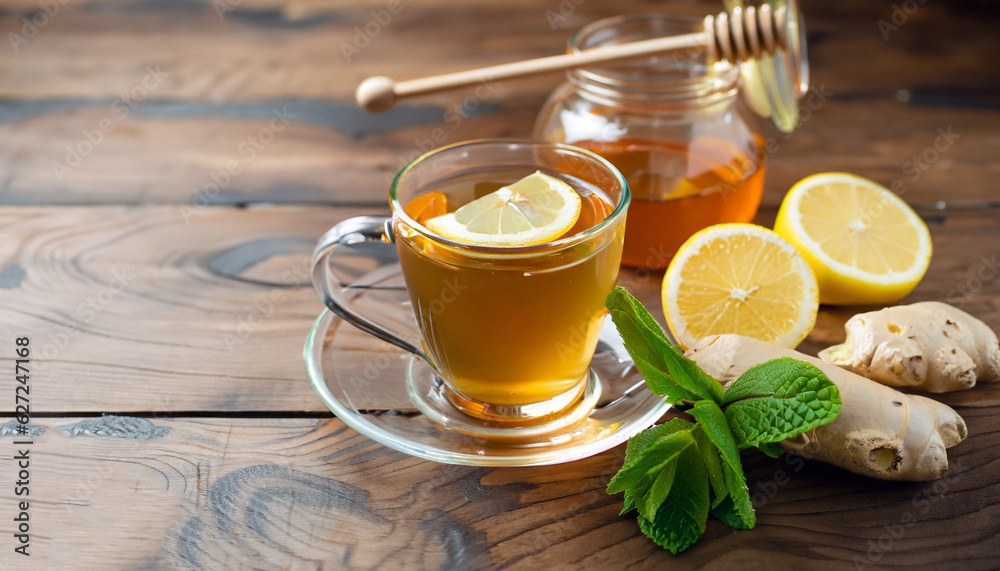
(673, 124)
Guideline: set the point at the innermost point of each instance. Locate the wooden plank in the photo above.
(924, 155)
(133, 309)
(330, 153)
(191, 161)
(142, 311)
(219, 57)
(311, 493)
(319, 52)
(214, 104)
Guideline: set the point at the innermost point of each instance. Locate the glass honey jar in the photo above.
(675, 126)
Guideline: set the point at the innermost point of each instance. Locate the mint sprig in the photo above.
(776, 400)
(713, 421)
(670, 374)
(676, 473)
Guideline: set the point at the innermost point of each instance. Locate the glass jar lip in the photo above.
(716, 77)
(498, 251)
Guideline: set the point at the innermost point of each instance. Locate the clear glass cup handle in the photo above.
(353, 258)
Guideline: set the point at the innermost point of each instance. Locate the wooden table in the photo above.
(157, 286)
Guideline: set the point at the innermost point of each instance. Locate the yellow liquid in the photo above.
(510, 332)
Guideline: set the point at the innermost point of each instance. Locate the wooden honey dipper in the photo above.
(734, 36)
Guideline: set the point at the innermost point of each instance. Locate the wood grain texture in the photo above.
(142, 311)
(134, 309)
(329, 154)
(153, 281)
(313, 494)
(281, 48)
(224, 77)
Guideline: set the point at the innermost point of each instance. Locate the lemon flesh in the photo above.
(536, 209)
(743, 279)
(864, 243)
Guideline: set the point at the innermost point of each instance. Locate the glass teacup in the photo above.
(509, 331)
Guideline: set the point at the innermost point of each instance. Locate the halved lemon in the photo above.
(534, 210)
(739, 278)
(864, 243)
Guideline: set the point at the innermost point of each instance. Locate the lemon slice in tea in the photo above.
(427, 206)
(536, 209)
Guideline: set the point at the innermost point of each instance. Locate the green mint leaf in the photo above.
(739, 495)
(717, 429)
(771, 449)
(712, 421)
(629, 503)
(645, 339)
(687, 374)
(653, 458)
(681, 519)
(648, 361)
(631, 493)
(779, 399)
(781, 377)
(654, 496)
(716, 477)
(726, 513)
(659, 381)
(621, 297)
(640, 442)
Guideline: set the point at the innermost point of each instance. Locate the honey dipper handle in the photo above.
(381, 93)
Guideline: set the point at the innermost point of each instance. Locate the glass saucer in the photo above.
(364, 382)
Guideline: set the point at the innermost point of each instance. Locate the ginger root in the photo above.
(880, 432)
(929, 346)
